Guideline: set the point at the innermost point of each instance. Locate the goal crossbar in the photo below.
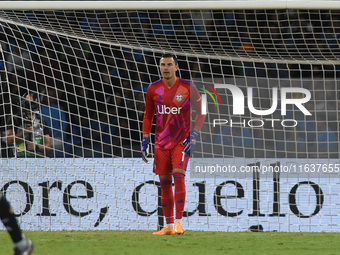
(168, 5)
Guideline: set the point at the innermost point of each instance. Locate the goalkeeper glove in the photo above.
(190, 142)
(145, 148)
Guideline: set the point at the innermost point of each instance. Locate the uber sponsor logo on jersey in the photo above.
(163, 109)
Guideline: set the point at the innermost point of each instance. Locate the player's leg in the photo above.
(162, 167)
(180, 162)
(167, 199)
(22, 245)
(180, 194)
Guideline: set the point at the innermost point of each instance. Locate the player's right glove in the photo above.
(145, 148)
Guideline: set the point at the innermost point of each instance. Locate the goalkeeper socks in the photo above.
(9, 220)
(167, 200)
(180, 193)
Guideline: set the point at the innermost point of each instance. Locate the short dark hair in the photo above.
(170, 55)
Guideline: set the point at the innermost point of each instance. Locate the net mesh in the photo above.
(271, 34)
(90, 70)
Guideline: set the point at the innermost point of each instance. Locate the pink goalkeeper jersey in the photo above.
(173, 112)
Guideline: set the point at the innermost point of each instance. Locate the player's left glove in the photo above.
(190, 142)
(145, 148)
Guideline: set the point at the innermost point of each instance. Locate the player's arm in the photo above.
(190, 141)
(149, 114)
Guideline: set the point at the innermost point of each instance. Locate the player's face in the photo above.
(168, 68)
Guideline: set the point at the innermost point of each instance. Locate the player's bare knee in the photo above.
(165, 177)
(178, 170)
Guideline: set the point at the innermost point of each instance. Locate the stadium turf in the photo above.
(142, 242)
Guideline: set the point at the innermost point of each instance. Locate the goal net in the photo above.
(268, 152)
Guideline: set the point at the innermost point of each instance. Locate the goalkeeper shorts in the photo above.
(167, 160)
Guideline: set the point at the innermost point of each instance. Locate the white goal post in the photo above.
(268, 72)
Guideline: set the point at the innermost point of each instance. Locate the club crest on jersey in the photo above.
(179, 98)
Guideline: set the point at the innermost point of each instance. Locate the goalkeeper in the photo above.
(172, 99)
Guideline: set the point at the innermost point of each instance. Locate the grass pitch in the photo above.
(192, 242)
